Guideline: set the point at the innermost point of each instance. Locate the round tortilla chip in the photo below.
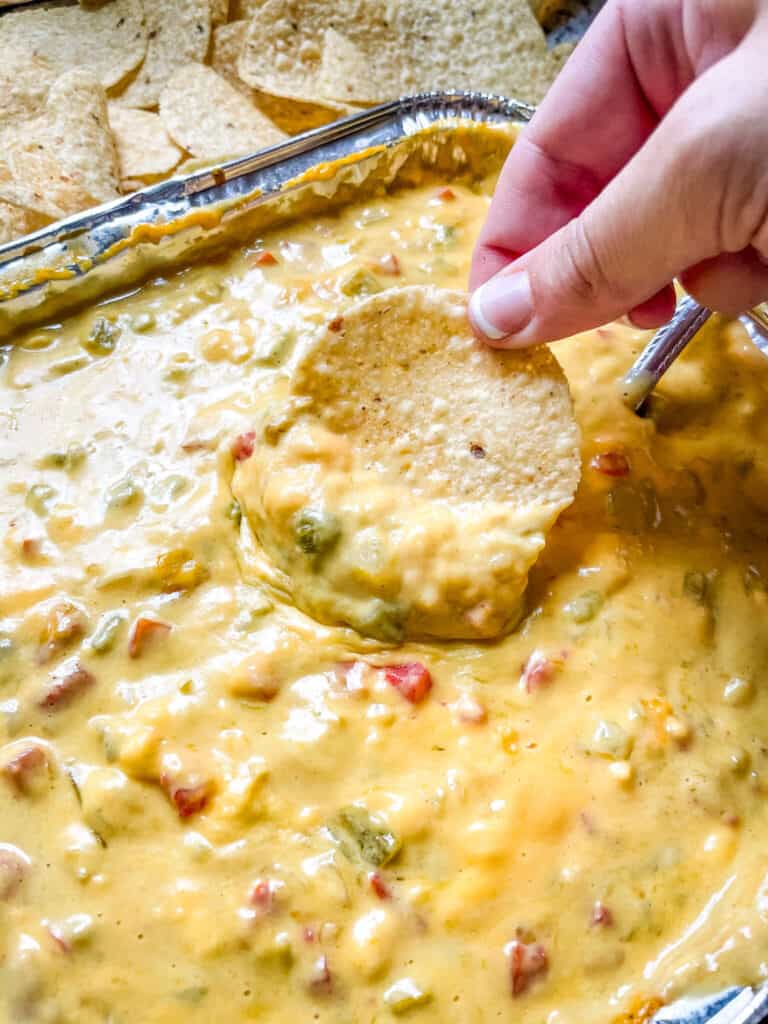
(178, 33)
(25, 79)
(64, 160)
(108, 41)
(15, 222)
(363, 51)
(143, 147)
(209, 118)
(290, 116)
(407, 484)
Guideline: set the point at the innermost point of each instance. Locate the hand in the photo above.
(647, 160)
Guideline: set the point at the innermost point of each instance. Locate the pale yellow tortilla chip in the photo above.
(144, 149)
(109, 41)
(208, 117)
(25, 79)
(361, 51)
(15, 222)
(66, 159)
(179, 32)
(414, 343)
(291, 116)
(415, 472)
(225, 53)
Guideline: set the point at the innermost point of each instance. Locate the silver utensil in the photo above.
(668, 342)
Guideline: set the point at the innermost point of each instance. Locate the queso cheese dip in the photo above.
(214, 808)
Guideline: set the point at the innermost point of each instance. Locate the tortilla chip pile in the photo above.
(101, 99)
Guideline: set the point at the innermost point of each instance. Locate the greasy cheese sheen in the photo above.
(212, 808)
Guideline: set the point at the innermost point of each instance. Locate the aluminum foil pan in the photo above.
(114, 245)
(118, 244)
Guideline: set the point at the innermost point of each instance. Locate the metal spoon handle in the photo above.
(662, 350)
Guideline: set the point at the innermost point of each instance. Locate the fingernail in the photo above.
(502, 306)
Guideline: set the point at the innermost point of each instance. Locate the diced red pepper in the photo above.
(262, 895)
(66, 683)
(389, 264)
(539, 671)
(58, 939)
(379, 886)
(242, 446)
(527, 961)
(25, 767)
(188, 799)
(321, 979)
(264, 259)
(31, 548)
(446, 195)
(602, 917)
(14, 867)
(412, 680)
(143, 632)
(611, 463)
(336, 325)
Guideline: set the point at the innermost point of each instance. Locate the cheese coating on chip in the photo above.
(407, 483)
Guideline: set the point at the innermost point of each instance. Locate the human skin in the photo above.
(648, 160)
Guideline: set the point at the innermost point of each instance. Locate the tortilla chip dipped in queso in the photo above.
(407, 482)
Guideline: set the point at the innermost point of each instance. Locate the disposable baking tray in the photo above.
(116, 245)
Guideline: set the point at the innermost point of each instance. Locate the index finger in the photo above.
(598, 113)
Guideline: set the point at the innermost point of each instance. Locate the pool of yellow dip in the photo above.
(214, 809)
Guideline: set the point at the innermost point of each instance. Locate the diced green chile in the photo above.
(105, 635)
(374, 843)
(124, 493)
(316, 530)
(102, 337)
(68, 460)
(66, 366)
(634, 505)
(699, 586)
(586, 606)
(38, 498)
(383, 620)
(360, 282)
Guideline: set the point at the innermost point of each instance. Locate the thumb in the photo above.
(686, 196)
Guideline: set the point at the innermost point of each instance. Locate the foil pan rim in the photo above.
(383, 125)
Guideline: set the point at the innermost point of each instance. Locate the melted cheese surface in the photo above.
(211, 807)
